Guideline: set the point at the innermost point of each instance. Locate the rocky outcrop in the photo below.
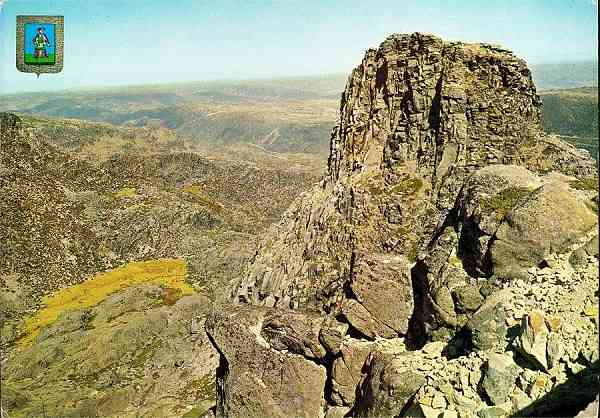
(418, 117)
(505, 221)
(443, 206)
(545, 365)
(267, 365)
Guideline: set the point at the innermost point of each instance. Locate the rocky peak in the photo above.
(448, 106)
(443, 198)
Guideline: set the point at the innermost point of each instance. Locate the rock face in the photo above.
(347, 370)
(258, 376)
(442, 200)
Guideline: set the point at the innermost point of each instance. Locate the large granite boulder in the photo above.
(486, 198)
(500, 375)
(388, 387)
(553, 218)
(347, 370)
(487, 327)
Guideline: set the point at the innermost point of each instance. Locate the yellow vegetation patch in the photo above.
(126, 192)
(169, 273)
(453, 260)
(203, 198)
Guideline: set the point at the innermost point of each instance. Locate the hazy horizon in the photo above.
(159, 84)
(116, 44)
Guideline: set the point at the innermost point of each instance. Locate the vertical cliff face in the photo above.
(447, 107)
(416, 118)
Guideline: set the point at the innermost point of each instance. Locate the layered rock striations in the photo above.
(442, 192)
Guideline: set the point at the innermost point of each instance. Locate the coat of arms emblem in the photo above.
(40, 44)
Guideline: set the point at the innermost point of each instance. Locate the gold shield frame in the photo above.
(58, 22)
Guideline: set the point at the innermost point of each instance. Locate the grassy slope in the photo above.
(170, 273)
(31, 59)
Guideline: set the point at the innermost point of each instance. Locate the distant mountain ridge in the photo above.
(280, 114)
(573, 114)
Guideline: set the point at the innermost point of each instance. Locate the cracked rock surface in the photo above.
(262, 372)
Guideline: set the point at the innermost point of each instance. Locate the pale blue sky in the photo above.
(112, 42)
